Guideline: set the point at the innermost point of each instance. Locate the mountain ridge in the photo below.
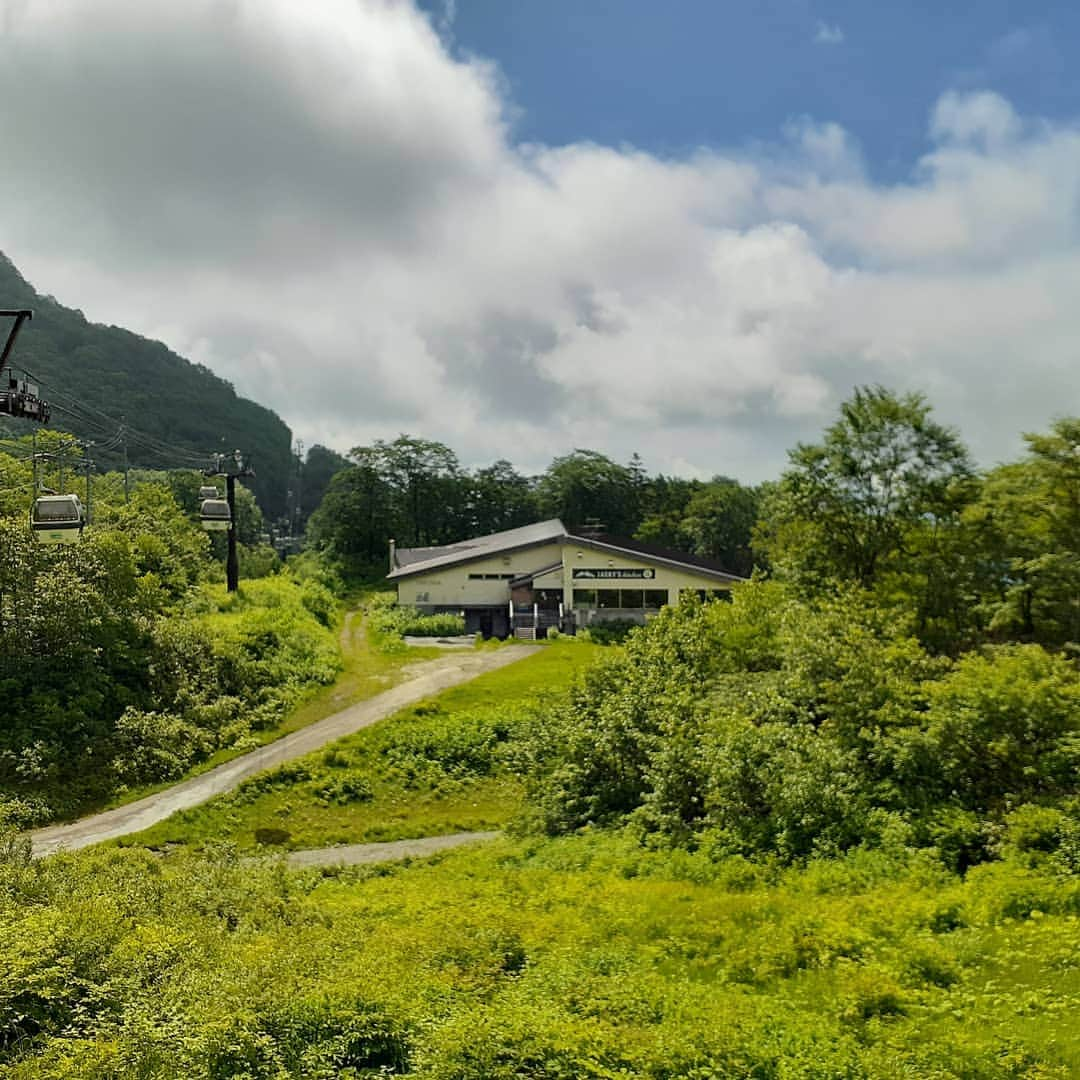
(97, 376)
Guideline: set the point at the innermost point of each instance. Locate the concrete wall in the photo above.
(667, 578)
(458, 587)
(453, 586)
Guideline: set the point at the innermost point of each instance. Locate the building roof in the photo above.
(625, 544)
(409, 561)
(532, 575)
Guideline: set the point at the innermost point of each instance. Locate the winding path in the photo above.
(429, 677)
(387, 851)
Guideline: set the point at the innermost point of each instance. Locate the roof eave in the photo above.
(600, 545)
(448, 563)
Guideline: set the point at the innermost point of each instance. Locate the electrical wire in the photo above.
(119, 430)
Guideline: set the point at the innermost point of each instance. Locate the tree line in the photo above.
(416, 491)
(888, 499)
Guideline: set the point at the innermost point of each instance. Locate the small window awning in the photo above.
(528, 578)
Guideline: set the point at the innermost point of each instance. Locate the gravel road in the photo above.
(360, 854)
(426, 678)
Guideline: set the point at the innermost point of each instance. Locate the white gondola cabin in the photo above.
(215, 515)
(57, 519)
(209, 492)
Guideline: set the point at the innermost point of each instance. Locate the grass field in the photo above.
(431, 769)
(591, 957)
(586, 957)
(366, 671)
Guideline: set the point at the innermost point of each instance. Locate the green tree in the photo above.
(1028, 517)
(588, 486)
(665, 499)
(319, 467)
(719, 523)
(500, 498)
(847, 508)
(355, 516)
(427, 485)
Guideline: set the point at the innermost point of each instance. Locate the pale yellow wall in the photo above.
(452, 586)
(666, 577)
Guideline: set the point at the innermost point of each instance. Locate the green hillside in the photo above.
(94, 375)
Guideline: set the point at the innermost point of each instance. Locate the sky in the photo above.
(684, 229)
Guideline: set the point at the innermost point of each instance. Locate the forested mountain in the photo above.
(94, 375)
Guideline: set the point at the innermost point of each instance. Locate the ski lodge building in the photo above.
(526, 580)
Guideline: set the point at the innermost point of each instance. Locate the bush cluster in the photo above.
(118, 666)
(775, 725)
(585, 957)
(391, 623)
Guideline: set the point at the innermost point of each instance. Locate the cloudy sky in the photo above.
(523, 227)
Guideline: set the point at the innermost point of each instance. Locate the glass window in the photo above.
(632, 598)
(655, 598)
(584, 598)
(607, 598)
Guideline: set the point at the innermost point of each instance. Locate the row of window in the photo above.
(636, 599)
(492, 577)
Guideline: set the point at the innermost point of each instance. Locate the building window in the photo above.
(476, 577)
(625, 599)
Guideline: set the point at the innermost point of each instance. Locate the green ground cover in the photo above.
(444, 765)
(365, 670)
(581, 957)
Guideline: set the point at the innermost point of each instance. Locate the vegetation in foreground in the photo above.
(828, 830)
(446, 765)
(583, 957)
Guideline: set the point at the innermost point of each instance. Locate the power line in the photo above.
(82, 411)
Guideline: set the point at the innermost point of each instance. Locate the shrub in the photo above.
(799, 729)
(611, 631)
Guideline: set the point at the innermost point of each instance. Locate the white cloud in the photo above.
(323, 205)
(828, 34)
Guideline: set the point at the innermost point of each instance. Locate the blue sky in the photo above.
(670, 75)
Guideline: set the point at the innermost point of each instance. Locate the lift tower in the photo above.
(17, 396)
(232, 469)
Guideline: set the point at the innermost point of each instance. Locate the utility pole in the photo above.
(298, 509)
(88, 465)
(123, 443)
(235, 470)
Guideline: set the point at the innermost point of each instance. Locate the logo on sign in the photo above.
(590, 574)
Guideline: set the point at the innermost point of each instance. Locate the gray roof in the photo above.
(533, 574)
(409, 561)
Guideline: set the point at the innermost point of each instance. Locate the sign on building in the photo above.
(589, 574)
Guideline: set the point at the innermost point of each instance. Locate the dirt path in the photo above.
(423, 680)
(361, 854)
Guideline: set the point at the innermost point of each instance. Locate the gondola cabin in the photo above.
(208, 492)
(215, 515)
(57, 519)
